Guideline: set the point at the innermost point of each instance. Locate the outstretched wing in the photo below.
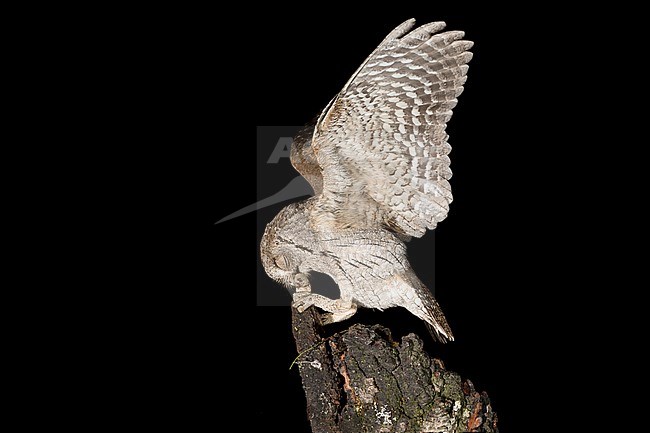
(381, 142)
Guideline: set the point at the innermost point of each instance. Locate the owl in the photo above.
(377, 159)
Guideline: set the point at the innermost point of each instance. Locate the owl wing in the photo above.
(381, 142)
(303, 158)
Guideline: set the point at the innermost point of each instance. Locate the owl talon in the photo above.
(304, 300)
(339, 314)
(326, 318)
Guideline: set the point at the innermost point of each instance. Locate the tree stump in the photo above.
(360, 381)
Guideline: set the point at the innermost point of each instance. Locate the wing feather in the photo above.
(303, 159)
(381, 142)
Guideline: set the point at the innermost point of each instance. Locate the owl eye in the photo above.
(282, 262)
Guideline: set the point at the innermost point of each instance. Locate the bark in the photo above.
(361, 380)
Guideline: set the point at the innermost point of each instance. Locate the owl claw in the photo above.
(327, 318)
(338, 310)
(304, 300)
(339, 315)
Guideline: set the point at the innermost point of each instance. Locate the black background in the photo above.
(511, 267)
(489, 278)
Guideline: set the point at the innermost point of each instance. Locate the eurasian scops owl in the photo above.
(377, 159)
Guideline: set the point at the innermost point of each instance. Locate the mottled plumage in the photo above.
(377, 160)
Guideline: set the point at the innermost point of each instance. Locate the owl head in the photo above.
(287, 247)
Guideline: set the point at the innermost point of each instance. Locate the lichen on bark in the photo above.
(361, 380)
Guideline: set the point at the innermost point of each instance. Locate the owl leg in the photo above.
(338, 310)
(303, 300)
(344, 309)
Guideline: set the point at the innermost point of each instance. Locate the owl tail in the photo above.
(431, 313)
(438, 335)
